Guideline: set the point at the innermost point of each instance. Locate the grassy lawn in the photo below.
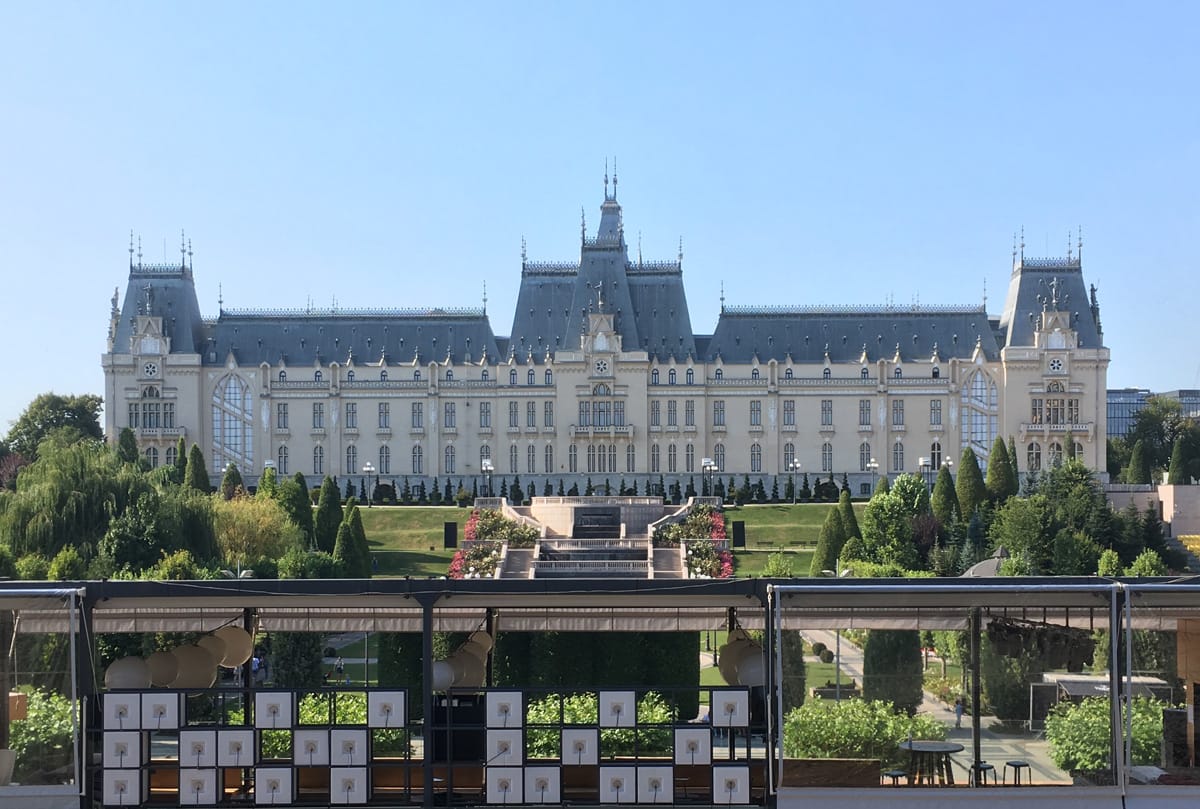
(772, 527)
(751, 562)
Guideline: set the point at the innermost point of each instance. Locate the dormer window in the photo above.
(718, 374)
(318, 376)
(937, 372)
(691, 377)
(512, 376)
(866, 374)
(449, 375)
(898, 374)
(416, 376)
(283, 376)
(671, 377)
(484, 376)
(787, 373)
(549, 377)
(654, 377)
(383, 376)
(826, 374)
(349, 376)
(754, 374)
(529, 377)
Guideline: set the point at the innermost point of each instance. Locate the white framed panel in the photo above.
(504, 709)
(160, 711)
(618, 785)
(729, 709)
(310, 747)
(504, 785)
(235, 748)
(272, 786)
(580, 746)
(124, 748)
(197, 748)
(348, 785)
(273, 709)
(126, 787)
(347, 748)
(386, 709)
(197, 787)
(693, 746)
(122, 711)
(655, 784)
(504, 748)
(618, 709)
(731, 785)
(543, 785)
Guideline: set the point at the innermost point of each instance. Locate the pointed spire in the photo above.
(139, 252)
(1070, 247)
(639, 249)
(1079, 244)
(182, 249)
(485, 282)
(1022, 244)
(606, 178)
(523, 253)
(680, 249)
(582, 225)
(614, 196)
(220, 297)
(985, 293)
(722, 296)
(131, 248)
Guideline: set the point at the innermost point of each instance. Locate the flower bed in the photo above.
(702, 521)
(706, 559)
(479, 560)
(490, 524)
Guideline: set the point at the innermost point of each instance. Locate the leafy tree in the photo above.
(888, 522)
(944, 501)
(133, 540)
(970, 486)
(179, 471)
(1080, 734)
(892, 668)
(1140, 464)
(829, 543)
(329, 516)
(1074, 554)
(248, 528)
(1005, 680)
(67, 565)
(231, 482)
(33, 567)
(854, 728)
(1001, 474)
(791, 653)
(127, 448)
(1024, 525)
(849, 520)
(268, 484)
(778, 566)
(1109, 564)
(1156, 426)
(196, 475)
(1148, 563)
(297, 563)
(73, 418)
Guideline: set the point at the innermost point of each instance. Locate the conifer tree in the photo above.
(196, 476)
(344, 551)
(944, 502)
(328, 517)
(1001, 479)
(849, 519)
(1138, 470)
(127, 448)
(362, 550)
(829, 543)
(296, 502)
(969, 486)
(231, 481)
(181, 461)
(1012, 461)
(1177, 473)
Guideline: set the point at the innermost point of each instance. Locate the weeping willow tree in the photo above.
(67, 498)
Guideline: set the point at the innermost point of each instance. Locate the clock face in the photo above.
(150, 369)
(1056, 365)
(602, 366)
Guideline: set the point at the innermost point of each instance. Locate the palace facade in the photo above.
(602, 377)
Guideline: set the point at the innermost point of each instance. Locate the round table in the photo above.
(930, 759)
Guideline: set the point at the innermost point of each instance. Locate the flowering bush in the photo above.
(702, 521)
(706, 559)
(480, 560)
(490, 524)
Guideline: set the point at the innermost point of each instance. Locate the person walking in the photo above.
(339, 667)
(958, 712)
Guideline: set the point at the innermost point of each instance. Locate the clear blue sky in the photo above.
(395, 154)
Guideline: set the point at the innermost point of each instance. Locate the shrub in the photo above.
(1079, 733)
(42, 741)
(652, 736)
(818, 648)
(827, 656)
(703, 521)
(854, 728)
(492, 525)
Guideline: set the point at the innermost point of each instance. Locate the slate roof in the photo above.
(1034, 284)
(164, 290)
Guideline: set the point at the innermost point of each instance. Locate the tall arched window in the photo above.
(318, 460)
(485, 454)
(152, 456)
(170, 458)
(789, 455)
(755, 458)
(671, 377)
(691, 376)
(1033, 457)
(689, 457)
(654, 377)
(935, 455)
(864, 456)
(351, 460)
(827, 457)
(318, 376)
(484, 375)
(529, 377)
(512, 376)
(385, 461)
(898, 374)
(979, 413)
(672, 459)
(418, 461)
(531, 459)
(719, 457)
(754, 374)
(448, 466)
(281, 460)
(612, 457)
(232, 424)
(591, 458)
(718, 374)
(654, 459)
(549, 377)
(630, 458)
(898, 457)
(826, 373)
(865, 373)
(513, 459)
(573, 459)
(937, 372)
(283, 376)
(549, 459)
(1055, 454)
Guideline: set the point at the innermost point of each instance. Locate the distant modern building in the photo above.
(602, 377)
(1125, 403)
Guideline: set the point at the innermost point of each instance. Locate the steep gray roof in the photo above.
(166, 291)
(1037, 284)
(806, 334)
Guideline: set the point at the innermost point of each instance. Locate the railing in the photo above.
(851, 309)
(1079, 428)
(728, 381)
(467, 383)
(833, 381)
(612, 430)
(384, 384)
(574, 544)
(635, 567)
(302, 384)
(160, 432)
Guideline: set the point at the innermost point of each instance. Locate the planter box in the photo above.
(831, 772)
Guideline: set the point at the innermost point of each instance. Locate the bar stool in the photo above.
(1017, 765)
(983, 769)
(896, 775)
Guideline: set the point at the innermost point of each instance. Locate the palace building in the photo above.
(603, 377)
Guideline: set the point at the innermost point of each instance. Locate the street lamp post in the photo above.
(840, 573)
(369, 470)
(925, 465)
(709, 468)
(794, 467)
(874, 467)
(486, 466)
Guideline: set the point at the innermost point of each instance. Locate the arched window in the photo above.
(654, 458)
(754, 373)
(283, 376)
(1033, 457)
(787, 373)
(826, 373)
(691, 376)
(630, 458)
(383, 376)
(718, 374)
(448, 467)
(654, 377)
(513, 459)
(1077, 452)
(612, 457)
(935, 454)
(531, 459)
(418, 461)
(937, 372)
(385, 461)
(318, 460)
(416, 376)
(549, 377)
(719, 457)
(898, 457)
(318, 376)
(512, 376)
(827, 457)
(979, 413)
(484, 375)
(601, 390)
(529, 377)
(898, 374)
(689, 457)
(170, 456)
(232, 424)
(671, 377)
(449, 375)
(351, 460)
(573, 459)
(349, 376)
(549, 459)
(281, 461)
(1055, 387)
(864, 456)
(591, 459)
(789, 455)
(672, 459)
(755, 458)
(152, 456)
(1055, 454)
(865, 373)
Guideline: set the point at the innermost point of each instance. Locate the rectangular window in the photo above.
(531, 414)
(135, 411)
(864, 412)
(898, 413)
(418, 417)
(351, 416)
(619, 414)
(548, 418)
(485, 415)
(318, 416)
(514, 415)
(689, 413)
(169, 414)
(827, 412)
(585, 414)
(385, 416)
(755, 414)
(448, 419)
(1072, 411)
(935, 413)
(150, 415)
(1054, 411)
(602, 414)
(789, 413)
(655, 413)
(1035, 410)
(718, 413)
(672, 414)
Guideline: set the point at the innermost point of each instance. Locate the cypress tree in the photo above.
(1139, 464)
(944, 502)
(329, 516)
(969, 486)
(892, 668)
(231, 481)
(1012, 461)
(829, 543)
(196, 476)
(296, 502)
(127, 448)
(1001, 478)
(849, 520)
(181, 461)
(885, 485)
(1176, 474)
(362, 550)
(344, 551)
